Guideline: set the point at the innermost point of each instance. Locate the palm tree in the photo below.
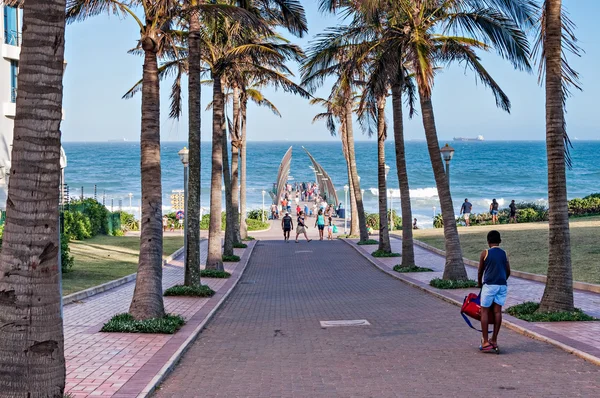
(556, 36)
(155, 39)
(31, 336)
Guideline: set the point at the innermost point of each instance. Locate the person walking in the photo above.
(320, 223)
(301, 227)
(298, 210)
(513, 212)
(330, 230)
(465, 210)
(494, 211)
(306, 209)
(492, 275)
(287, 224)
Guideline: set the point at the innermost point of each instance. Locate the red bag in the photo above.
(471, 306)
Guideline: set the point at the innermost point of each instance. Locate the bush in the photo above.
(248, 239)
(231, 259)
(190, 291)
(256, 215)
(528, 215)
(96, 213)
(125, 323)
(448, 284)
(590, 205)
(77, 225)
(438, 221)
(381, 253)
(372, 220)
(66, 259)
(256, 225)
(528, 312)
(128, 222)
(240, 245)
(368, 242)
(213, 273)
(411, 268)
(205, 222)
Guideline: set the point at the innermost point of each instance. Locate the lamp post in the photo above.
(130, 205)
(387, 170)
(263, 206)
(447, 152)
(346, 188)
(184, 157)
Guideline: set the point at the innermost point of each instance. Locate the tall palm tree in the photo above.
(155, 24)
(31, 336)
(556, 36)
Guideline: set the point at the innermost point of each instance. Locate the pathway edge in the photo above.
(509, 321)
(172, 362)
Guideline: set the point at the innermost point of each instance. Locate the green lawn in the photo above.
(105, 258)
(527, 245)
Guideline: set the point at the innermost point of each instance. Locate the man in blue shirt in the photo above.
(465, 210)
(494, 270)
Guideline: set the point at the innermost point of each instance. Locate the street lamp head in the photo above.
(387, 170)
(346, 188)
(447, 152)
(184, 156)
(130, 195)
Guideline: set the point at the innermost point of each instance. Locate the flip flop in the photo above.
(487, 348)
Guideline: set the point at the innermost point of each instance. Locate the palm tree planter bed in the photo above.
(368, 242)
(411, 268)
(125, 323)
(381, 253)
(213, 273)
(240, 246)
(528, 312)
(449, 284)
(231, 259)
(191, 291)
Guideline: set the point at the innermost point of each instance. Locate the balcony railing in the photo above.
(12, 38)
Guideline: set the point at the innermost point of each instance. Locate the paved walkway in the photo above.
(122, 364)
(584, 336)
(267, 341)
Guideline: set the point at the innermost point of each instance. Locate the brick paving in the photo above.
(107, 364)
(266, 341)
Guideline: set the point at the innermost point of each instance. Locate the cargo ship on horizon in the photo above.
(478, 138)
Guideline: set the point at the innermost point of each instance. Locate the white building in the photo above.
(11, 24)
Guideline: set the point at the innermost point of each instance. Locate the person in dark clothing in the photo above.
(494, 211)
(301, 227)
(287, 224)
(465, 210)
(492, 275)
(513, 212)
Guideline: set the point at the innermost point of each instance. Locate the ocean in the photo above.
(479, 171)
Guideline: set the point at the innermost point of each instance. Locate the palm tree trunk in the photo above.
(455, 267)
(147, 299)
(354, 215)
(192, 265)
(235, 156)
(408, 251)
(558, 294)
(362, 222)
(31, 335)
(243, 225)
(228, 244)
(384, 233)
(214, 259)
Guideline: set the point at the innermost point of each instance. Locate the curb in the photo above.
(588, 287)
(509, 321)
(94, 290)
(171, 362)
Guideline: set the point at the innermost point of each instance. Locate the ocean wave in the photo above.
(422, 193)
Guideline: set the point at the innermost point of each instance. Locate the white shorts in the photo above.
(467, 215)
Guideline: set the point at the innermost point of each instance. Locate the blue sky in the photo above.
(100, 71)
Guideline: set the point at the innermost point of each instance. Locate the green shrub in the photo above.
(593, 196)
(125, 323)
(77, 225)
(257, 215)
(590, 205)
(381, 253)
(96, 213)
(372, 220)
(527, 215)
(190, 291)
(438, 221)
(448, 284)
(528, 311)
(368, 242)
(231, 259)
(248, 239)
(213, 273)
(128, 222)
(240, 245)
(410, 268)
(256, 225)
(205, 222)
(66, 259)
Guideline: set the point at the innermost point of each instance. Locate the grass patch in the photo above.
(411, 268)
(368, 242)
(445, 284)
(248, 239)
(381, 253)
(125, 323)
(213, 273)
(528, 312)
(527, 245)
(189, 291)
(231, 259)
(240, 245)
(105, 258)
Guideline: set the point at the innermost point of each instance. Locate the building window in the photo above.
(12, 35)
(14, 71)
